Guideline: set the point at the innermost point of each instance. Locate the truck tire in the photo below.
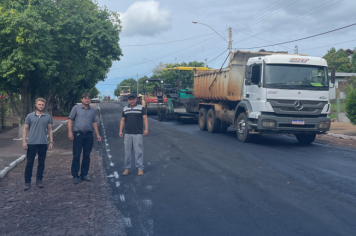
(213, 123)
(305, 139)
(242, 131)
(203, 112)
(224, 126)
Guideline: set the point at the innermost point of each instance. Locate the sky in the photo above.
(161, 31)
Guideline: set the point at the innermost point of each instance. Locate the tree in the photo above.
(126, 82)
(54, 49)
(339, 60)
(351, 105)
(171, 76)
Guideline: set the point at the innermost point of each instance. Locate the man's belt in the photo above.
(80, 132)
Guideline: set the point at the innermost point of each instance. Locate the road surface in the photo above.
(198, 183)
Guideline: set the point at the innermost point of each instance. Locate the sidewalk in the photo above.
(60, 208)
(343, 128)
(11, 146)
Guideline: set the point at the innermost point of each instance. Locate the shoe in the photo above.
(126, 172)
(39, 183)
(76, 180)
(86, 178)
(140, 172)
(27, 186)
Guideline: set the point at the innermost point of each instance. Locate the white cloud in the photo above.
(146, 19)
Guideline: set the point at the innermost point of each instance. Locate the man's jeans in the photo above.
(134, 142)
(82, 141)
(32, 150)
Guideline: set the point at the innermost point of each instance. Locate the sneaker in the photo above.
(86, 178)
(76, 180)
(126, 172)
(140, 172)
(39, 183)
(27, 186)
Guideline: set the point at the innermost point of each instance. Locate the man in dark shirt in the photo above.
(81, 133)
(39, 125)
(133, 117)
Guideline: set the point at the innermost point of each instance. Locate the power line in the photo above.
(293, 19)
(218, 56)
(304, 37)
(180, 40)
(265, 16)
(327, 45)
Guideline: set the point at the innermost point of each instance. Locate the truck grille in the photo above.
(297, 107)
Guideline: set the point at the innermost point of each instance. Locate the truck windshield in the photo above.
(296, 77)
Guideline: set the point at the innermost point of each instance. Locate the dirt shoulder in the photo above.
(60, 208)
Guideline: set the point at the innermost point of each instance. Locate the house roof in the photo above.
(349, 52)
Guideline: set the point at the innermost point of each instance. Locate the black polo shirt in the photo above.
(134, 119)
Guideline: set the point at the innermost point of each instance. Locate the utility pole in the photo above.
(206, 62)
(296, 49)
(137, 86)
(230, 44)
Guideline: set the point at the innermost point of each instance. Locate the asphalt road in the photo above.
(198, 183)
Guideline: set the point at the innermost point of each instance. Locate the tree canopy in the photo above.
(55, 49)
(340, 61)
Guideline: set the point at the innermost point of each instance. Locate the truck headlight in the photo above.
(324, 125)
(268, 123)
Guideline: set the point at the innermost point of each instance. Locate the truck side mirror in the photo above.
(332, 78)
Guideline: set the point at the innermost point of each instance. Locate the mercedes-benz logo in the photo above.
(298, 105)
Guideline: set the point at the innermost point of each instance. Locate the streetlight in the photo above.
(230, 37)
(194, 22)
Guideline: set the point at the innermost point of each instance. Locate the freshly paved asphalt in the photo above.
(198, 183)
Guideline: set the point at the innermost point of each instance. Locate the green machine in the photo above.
(181, 104)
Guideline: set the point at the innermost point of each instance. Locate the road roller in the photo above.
(154, 101)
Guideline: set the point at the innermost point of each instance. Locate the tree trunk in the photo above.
(25, 104)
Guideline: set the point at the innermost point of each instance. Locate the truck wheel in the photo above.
(213, 123)
(242, 128)
(202, 118)
(305, 138)
(224, 126)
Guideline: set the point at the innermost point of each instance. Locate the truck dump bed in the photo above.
(226, 84)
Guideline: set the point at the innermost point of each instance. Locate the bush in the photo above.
(351, 106)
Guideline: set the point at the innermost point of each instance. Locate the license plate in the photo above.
(298, 122)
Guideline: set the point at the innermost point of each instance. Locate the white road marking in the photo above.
(117, 183)
(127, 222)
(110, 176)
(116, 175)
(111, 164)
(122, 197)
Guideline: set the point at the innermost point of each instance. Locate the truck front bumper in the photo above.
(280, 124)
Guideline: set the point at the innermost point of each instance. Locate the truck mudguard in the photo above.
(245, 104)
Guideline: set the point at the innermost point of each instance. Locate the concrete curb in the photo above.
(11, 166)
(18, 160)
(343, 136)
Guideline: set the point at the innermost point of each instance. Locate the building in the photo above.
(340, 82)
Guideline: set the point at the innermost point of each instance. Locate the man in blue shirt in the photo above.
(81, 124)
(39, 125)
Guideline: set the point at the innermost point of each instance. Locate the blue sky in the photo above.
(167, 26)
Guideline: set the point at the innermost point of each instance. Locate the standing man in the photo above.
(133, 117)
(81, 133)
(109, 98)
(39, 124)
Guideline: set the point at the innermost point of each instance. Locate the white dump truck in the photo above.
(263, 92)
